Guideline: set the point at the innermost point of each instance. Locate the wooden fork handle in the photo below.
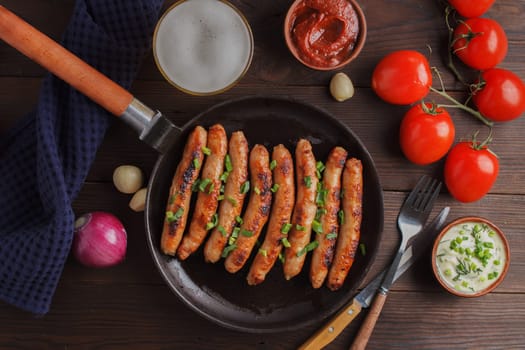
(369, 323)
(333, 328)
(64, 64)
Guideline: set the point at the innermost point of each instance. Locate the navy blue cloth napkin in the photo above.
(46, 157)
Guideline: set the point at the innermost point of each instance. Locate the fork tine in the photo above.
(413, 195)
(431, 195)
(421, 193)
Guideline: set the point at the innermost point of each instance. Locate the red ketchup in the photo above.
(324, 31)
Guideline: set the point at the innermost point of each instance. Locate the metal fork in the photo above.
(411, 219)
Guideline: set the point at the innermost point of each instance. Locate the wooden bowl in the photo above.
(470, 257)
(289, 24)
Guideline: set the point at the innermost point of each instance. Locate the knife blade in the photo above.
(362, 300)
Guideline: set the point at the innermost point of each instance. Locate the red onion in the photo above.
(100, 240)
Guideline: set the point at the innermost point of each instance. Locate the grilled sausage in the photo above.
(231, 206)
(178, 205)
(257, 211)
(304, 211)
(279, 222)
(350, 228)
(328, 200)
(209, 190)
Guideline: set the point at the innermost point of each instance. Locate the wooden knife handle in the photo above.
(333, 328)
(369, 323)
(61, 62)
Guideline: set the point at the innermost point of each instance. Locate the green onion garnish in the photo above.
(196, 163)
(300, 228)
(341, 217)
(285, 242)
(317, 227)
(308, 248)
(263, 252)
(246, 233)
(307, 181)
(213, 222)
(319, 166)
(195, 186)
(239, 220)
(232, 200)
(203, 184)
(331, 235)
(228, 163)
(256, 190)
(224, 176)
(228, 249)
(273, 164)
(286, 228)
(222, 230)
(275, 188)
(245, 187)
(206, 151)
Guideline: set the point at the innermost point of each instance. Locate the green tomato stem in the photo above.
(463, 107)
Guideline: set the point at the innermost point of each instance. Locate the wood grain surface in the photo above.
(130, 307)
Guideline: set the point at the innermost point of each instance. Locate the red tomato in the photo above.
(470, 171)
(480, 43)
(426, 134)
(502, 95)
(402, 77)
(471, 8)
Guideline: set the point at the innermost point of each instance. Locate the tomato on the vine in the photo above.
(480, 43)
(470, 171)
(501, 96)
(471, 8)
(402, 77)
(426, 133)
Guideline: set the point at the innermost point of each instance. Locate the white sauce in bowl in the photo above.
(470, 257)
(203, 46)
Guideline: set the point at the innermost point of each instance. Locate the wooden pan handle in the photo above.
(64, 64)
(369, 323)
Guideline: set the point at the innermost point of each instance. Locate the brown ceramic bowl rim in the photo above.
(500, 277)
(360, 42)
(212, 92)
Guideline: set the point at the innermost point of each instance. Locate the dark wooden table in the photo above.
(129, 306)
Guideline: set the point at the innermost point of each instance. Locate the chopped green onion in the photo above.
(239, 220)
(224, 176)
(286, 228)
(171, 200)
(245, 187)
(362, 249)
(196, 163)
(320, 198)
(317, 226)
(234, 235)
(275, 188)
(319, 168)
(299, 227)
(195, 186)
(331, 235)
(228, 249)
(206, 151)
(212, 187)
(222, 230)
(341, 217)
(256, 190)
(170, 216)
(246, 233)
(228, 163)
(285, 242)
(320, 212)
(220, 197)
(263, 252)
(308, 248)
(213, 222)
(307, 181)
(281, 257)
(203, 184)
(232, 200)
(273, 164)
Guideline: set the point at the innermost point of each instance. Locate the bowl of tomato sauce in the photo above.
(325, 34)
